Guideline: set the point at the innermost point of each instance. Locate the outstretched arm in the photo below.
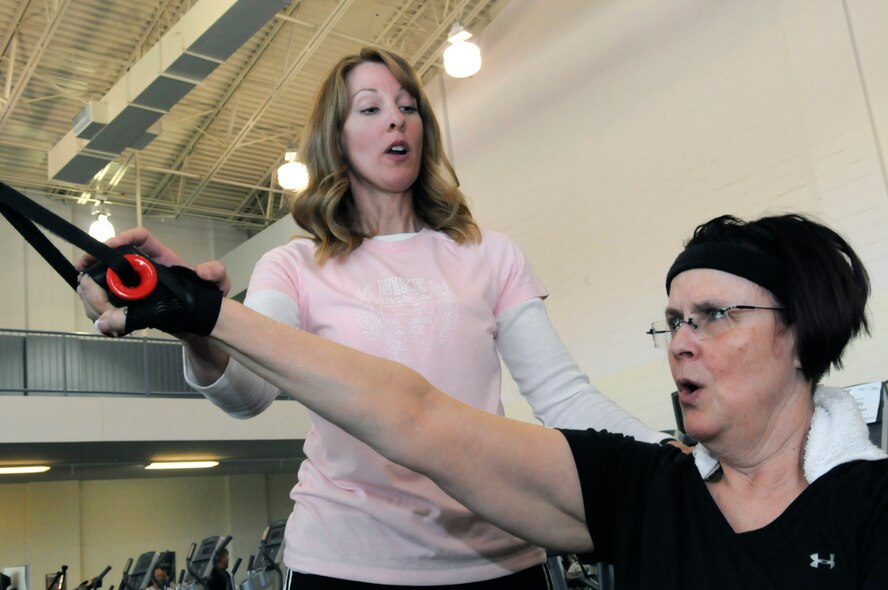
(519, 476)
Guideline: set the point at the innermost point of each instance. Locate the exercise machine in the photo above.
(142, 573)
(59, 581)
(95, 582)
(200, 561)
(264, 569)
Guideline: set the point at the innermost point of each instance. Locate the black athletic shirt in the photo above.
(650, 514)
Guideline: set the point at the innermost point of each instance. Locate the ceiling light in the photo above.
(292, 174)
(101, 229)
(182, 465)
(463, 58)
(24, 469)
(458, 33)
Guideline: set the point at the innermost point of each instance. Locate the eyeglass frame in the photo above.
(674, 325)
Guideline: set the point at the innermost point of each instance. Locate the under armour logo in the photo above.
(817, 562)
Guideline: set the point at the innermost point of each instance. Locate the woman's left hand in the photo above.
(110, 320)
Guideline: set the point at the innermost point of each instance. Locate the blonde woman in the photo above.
(397, 267)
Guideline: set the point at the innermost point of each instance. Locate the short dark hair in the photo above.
(827, 284)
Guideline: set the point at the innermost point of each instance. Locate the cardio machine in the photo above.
(142, 572)
(199, 562)
(95, 582)
(263, 569)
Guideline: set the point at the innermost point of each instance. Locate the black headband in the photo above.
(757, 267)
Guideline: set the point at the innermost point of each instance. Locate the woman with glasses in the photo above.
(784, 491)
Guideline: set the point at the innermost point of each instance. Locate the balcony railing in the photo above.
(61, 363)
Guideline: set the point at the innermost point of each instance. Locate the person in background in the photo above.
(160, 579)
(397, 267)
(220, 579)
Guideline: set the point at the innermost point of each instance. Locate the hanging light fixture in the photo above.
(101, 229)
(292, 174)
(463, 58)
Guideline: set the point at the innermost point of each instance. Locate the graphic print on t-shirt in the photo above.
(406, 313)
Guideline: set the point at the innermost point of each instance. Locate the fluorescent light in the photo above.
(182, 465)
(24, 469)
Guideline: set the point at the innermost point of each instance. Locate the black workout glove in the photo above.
(180, 302)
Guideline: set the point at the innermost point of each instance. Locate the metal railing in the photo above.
(63, 363)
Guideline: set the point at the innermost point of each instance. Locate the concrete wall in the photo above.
(599, 134)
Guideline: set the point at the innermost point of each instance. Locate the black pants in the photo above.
(535, 578)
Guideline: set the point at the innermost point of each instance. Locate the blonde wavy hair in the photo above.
(326, 208)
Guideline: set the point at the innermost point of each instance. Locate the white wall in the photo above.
(599, 134)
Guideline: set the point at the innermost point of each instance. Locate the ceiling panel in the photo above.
(219, 146)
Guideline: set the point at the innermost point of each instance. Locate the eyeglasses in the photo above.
(710, 322)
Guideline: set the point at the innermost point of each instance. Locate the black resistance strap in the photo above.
(170, 298)
(23, 213)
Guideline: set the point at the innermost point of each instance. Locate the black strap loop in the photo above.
(23, 213)
(177, 301)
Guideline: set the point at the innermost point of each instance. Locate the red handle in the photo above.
(147, 279)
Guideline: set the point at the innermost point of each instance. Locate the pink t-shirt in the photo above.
(431, 304)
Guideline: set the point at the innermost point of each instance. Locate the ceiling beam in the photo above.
(440, 30)
(291, 73)
(39, 49)
(404, 7)
(51, 185)
(117, 199)
(208, 121)
(14, 25)
(309, 25)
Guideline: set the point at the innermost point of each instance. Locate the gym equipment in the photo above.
(95, 582)
(142, 574)
(199, 562)
(169, 298)
(264, 570)
(166, 562)
(59, 580)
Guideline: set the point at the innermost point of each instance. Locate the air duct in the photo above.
(128, 115)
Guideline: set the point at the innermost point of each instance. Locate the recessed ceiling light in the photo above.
(182, 465)
(24, 469)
